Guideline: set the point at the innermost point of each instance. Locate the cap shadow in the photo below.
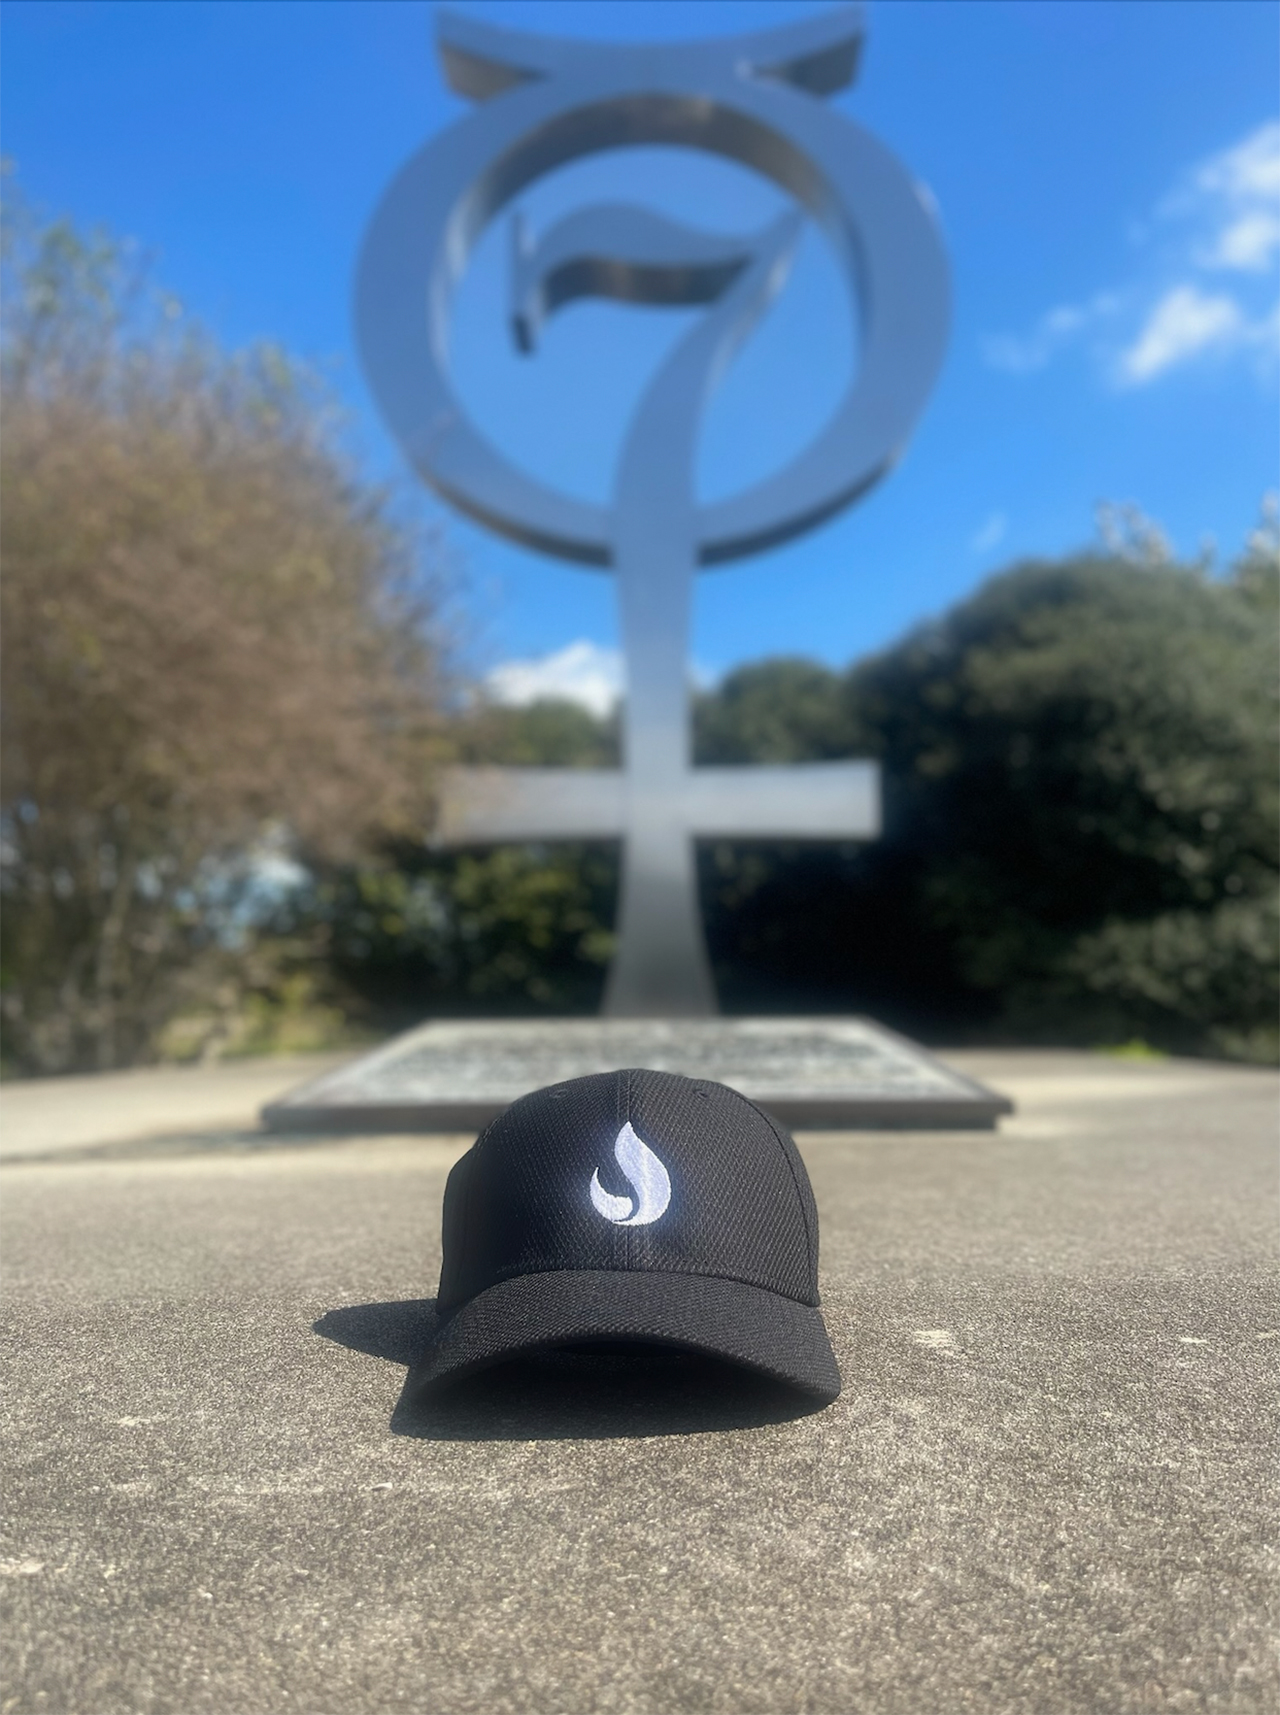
(596, 1392)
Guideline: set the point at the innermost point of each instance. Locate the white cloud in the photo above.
(1250, 169)
(1017, 355)
(1223, 217)
(1022, 354)
(1246, 243)
(1183, 323)
(582, 672)
(990, 535)
(1235, 196)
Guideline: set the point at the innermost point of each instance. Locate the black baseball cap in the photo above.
(632, 1206)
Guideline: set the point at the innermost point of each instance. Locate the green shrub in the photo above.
(1080, 818)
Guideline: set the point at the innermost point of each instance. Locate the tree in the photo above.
(1080, 818)
(216, 638)
(1080, 747)
(780, 710)
(507, 929)
(550, 733)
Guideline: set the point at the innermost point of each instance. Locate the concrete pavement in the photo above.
(157, 1105)
(1044, 1488)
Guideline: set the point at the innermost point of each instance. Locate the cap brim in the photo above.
(727, 1319)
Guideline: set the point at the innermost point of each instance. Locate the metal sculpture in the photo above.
(757, 100)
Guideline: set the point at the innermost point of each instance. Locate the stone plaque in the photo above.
(808, 1072)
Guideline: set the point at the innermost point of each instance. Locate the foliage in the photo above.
(511, 929)
(1081, 818)
(215, 641)
(781, 710)
(550, 733)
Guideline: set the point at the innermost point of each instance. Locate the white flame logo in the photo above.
(647, 1177)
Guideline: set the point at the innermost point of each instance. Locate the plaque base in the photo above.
(455, 1075)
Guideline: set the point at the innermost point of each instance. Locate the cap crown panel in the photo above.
(520, 1201)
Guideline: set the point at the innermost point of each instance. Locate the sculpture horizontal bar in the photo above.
(799, 801)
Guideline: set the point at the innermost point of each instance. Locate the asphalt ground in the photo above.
(1047, 1485)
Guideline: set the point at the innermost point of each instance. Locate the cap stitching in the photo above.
(786, 1156)
(518, 1271)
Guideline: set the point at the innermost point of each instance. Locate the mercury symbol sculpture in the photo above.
(757, 100)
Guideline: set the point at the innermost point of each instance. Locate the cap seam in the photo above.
(641, 1274)
(791, 1168)
(625, 1231)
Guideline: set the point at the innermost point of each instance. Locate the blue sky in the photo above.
(1108, 180)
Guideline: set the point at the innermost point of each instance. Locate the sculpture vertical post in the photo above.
(661, 965)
